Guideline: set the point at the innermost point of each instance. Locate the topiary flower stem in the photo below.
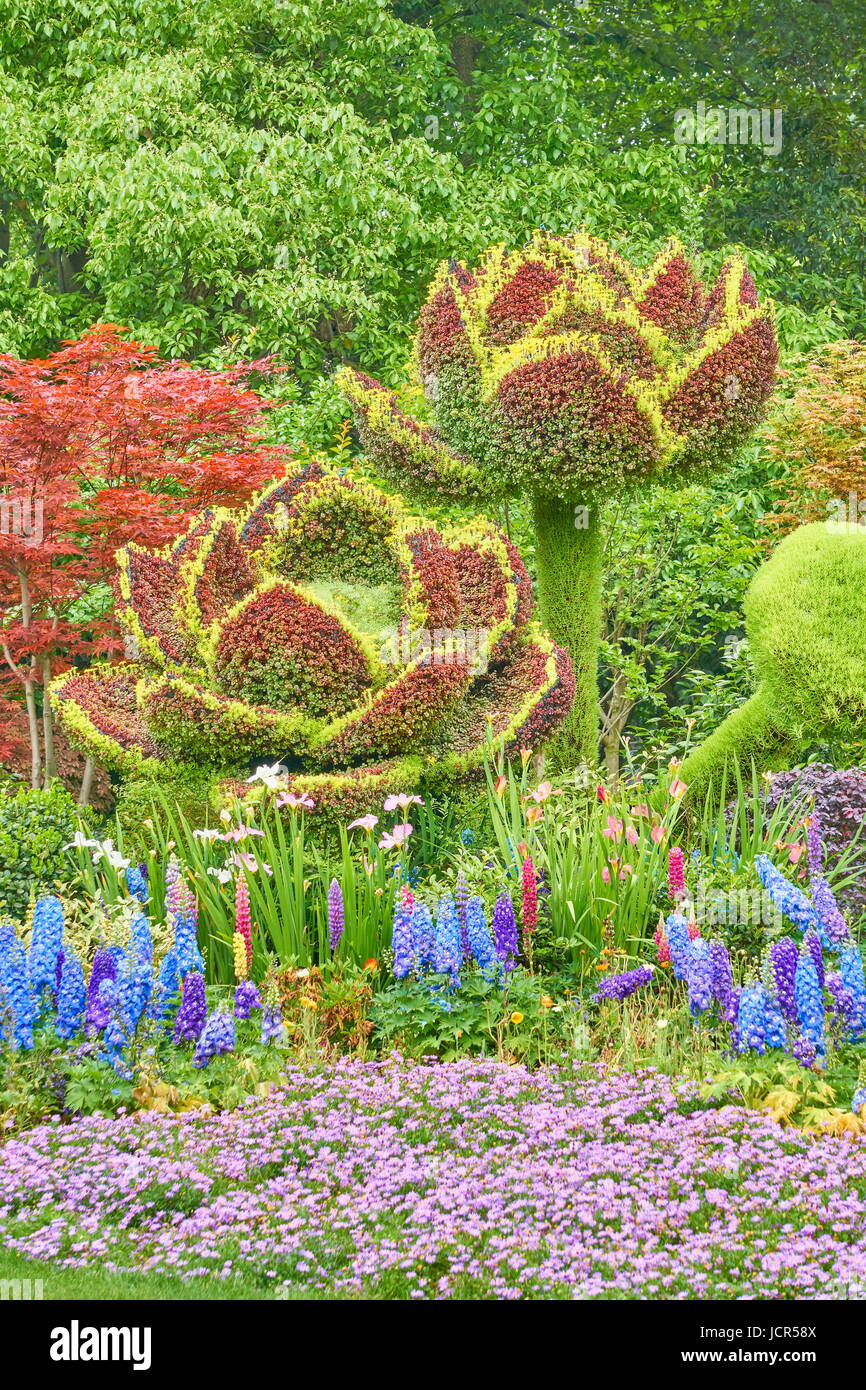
(568, 560)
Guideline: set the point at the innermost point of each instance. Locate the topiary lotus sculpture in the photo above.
(806, 625)
(329, 631)
(564, 372)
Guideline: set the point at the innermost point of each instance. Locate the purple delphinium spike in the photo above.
(783, 956)
(216, 1038)
(193, 1009)
(247, 998)
(815, 847)
(16, 1001)
(625, 983)
(336, 914)
(833, 924)
(700, 978)
(272, 1024)
(505, 935)
(96, 1014)
(787, 897)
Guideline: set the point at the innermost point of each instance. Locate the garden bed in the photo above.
(464, 1180)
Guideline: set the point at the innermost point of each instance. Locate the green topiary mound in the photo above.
(806, 624)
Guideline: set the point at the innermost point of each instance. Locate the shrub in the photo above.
(838, 796)
(34, 827)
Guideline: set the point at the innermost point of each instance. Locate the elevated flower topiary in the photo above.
(563, 372)
(326, 630)
(806, 625)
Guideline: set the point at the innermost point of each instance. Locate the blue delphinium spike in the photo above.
(679, 944)
(810, 1004)
(71, 997)
(700, 978)
(478, 934)
(402, 939)
(423, 936)
(789, 899)
(16, 1001)
(45, 946)
(136, 882)
(448, 953)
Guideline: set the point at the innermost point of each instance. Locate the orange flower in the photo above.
(371, 964)
(500, 785)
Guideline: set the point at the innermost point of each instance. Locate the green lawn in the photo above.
(97, 1286)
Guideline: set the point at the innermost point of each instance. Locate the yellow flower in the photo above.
(309, 1003)
(239, 951)
(516, 1018)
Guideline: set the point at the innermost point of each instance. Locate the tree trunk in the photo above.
(569, 562)
(33, 729)
(29, 688)
(50, 761)
(86, 784)
(610, 743)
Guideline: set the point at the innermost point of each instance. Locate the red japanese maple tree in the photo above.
(103, 443)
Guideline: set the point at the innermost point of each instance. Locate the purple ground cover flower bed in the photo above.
(472, 1179)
